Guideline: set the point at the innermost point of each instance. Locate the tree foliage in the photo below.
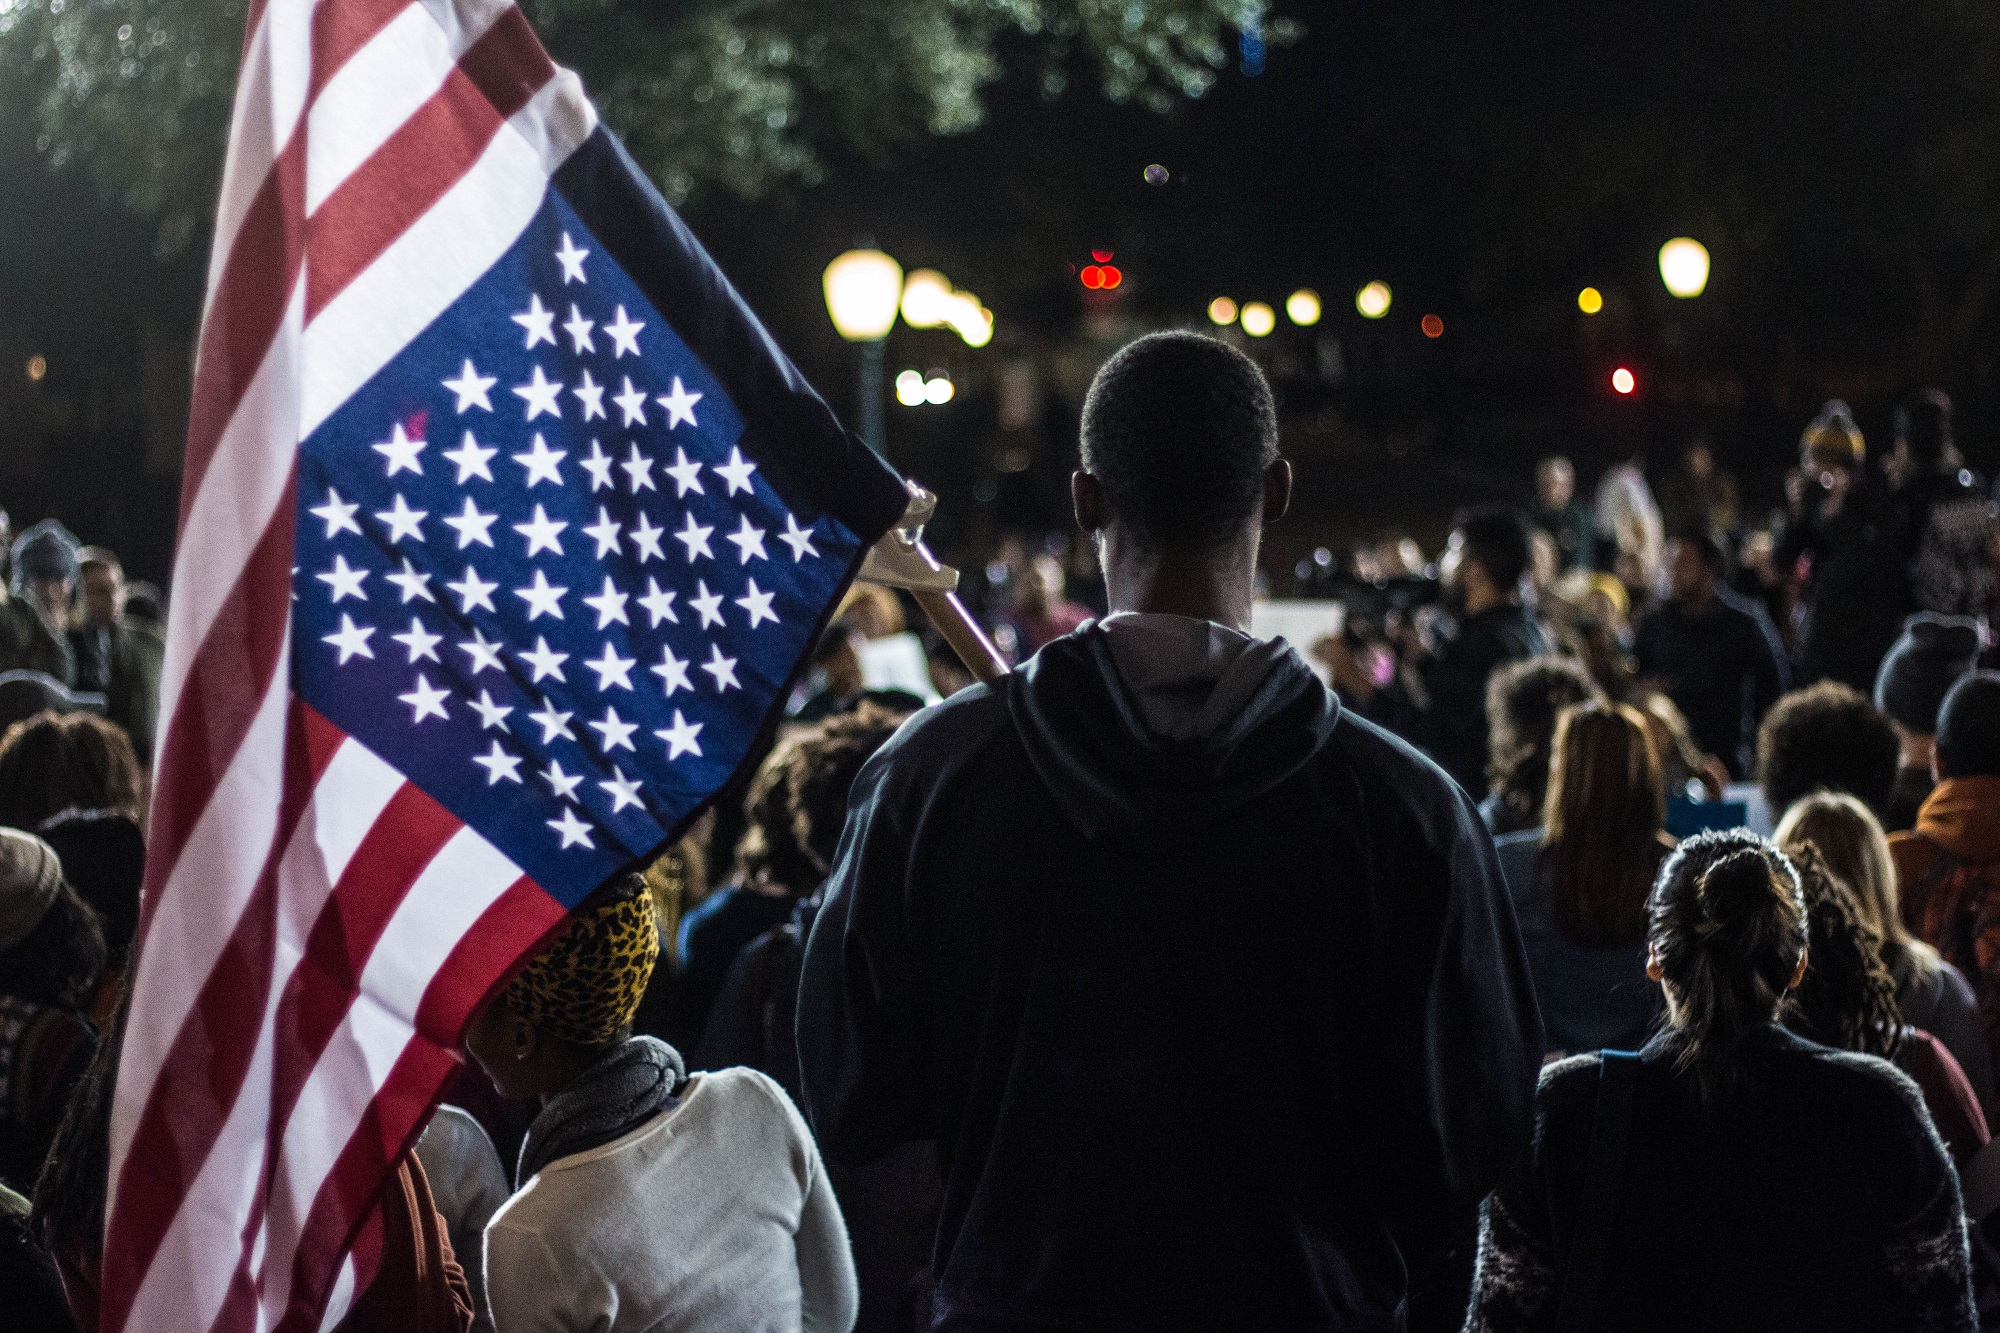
(737, 95)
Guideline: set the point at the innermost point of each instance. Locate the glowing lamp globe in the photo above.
(1259, 319)
(1222, 310)
(1373, 300)
(1303, 307)
(863, 289)
(1590, 300)
(1684, 266)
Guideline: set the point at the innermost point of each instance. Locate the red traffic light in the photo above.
(1623, 381)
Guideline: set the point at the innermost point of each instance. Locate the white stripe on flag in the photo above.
(466, 876)
(271, 96)
(180, 1290)
(442, 254)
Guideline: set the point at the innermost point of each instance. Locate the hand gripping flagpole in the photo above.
(900, 560)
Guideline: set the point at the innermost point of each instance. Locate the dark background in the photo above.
(1842, 167)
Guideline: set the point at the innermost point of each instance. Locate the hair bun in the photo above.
(1735, 887)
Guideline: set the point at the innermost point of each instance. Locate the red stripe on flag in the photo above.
(195, 1085)
(424, 158)
(393, 853)
(256, 282)
(518, 920)
(226, 684)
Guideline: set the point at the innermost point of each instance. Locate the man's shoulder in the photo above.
(1379, 759)
(949, 727)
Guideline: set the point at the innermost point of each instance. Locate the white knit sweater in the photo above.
(714, 1215)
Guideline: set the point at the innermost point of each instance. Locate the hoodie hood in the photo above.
(1962, 815)
(1205, 731)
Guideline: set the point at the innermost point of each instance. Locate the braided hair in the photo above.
(1728, 924)
(1848, 998)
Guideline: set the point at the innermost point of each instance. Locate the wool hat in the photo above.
(1834, 433)
(30, 879)
(1922, 666)
(45, 551)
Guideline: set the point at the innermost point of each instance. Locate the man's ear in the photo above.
(1277, 490)
(1086, 495)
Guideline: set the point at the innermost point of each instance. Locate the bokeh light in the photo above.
(1222, 310)
(926, 299)
(1623, 381)
(1432, 325)
(1684, 266)
(1259, 319)
(1156, 174)
(38, 366)
(1373, 300)
(937, 391)
(1590, 300)
(864, 290)
(910, 388)
(1303, 306)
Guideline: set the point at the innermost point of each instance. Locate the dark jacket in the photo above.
(1722, 668)
(123, 663)
(1213, 1034)
(1815, 1196)
(1858, 590)
(1445, 712)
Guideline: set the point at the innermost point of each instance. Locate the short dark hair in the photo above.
(1923, 421)
(1968, 727)
(1826, 737)
(1498, 540)
(1179, 429)
(1523, 700)
(820, 773)
(1704, 542)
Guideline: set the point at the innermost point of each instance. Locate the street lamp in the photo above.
(863, 289)
(1684, 266)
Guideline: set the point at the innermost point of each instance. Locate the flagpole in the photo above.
(901, 560)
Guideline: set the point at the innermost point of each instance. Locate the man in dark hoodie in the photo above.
(1209, 992)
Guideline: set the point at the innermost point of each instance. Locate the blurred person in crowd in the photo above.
(872, 610)
(410, 1283)
(837, 683)
(1559, 513)
(1040, 613)
(772, 872)
(116, 657)
(1757, 577)
(144, 602)
(1438, 699)
(1947, 522)
(1589, 611)
(1631, 536)
(1681, 760)
(33, 1287)
(1930, 993)
(34, 620)
(646, 1199)
(1544, 565)
(1716, 655)
(1919, 670)
(1580, 881)
(1523, 700)
(1847, 1000)
(51, 956)
(1022, 954)
(467, 1184)
(891, 1204)
(1842, 529)
(1826, 737)
(1948, 866)
(1697, 496)
(72, 779)
(1733, 1174)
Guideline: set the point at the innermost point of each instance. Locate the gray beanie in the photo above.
(45, 551)
(30, 879)
(1923, 666)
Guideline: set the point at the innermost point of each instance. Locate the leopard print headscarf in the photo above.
(585, 987)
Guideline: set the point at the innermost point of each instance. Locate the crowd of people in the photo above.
(1600, 930)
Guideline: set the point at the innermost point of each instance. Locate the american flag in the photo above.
(505, 526)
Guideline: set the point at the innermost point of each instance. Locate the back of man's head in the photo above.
(1497, 540)
(1968, 734)
(1179, 430)
(1923, 422)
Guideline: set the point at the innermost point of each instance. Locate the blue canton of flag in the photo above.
(541, 571)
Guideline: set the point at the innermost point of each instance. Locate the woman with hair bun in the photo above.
(1731, 1175)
